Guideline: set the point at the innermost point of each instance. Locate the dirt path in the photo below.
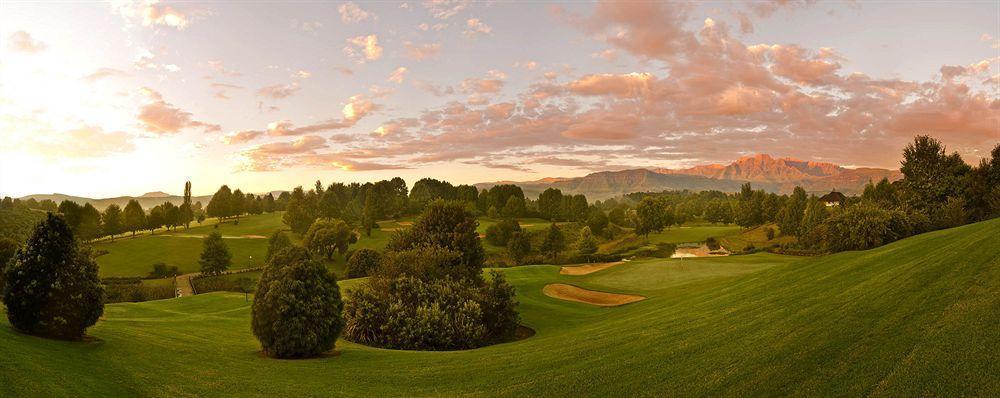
(604, 299)
(183, 285)
(587, 268)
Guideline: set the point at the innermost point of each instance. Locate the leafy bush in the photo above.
(713, 244)
(51, 286)
(424, 262)
(162, 270)
(132, 290)
(769, 233)
(297, 309)
(439, 314)
(363, 262)
(448, 225)
(499, 234)
(326, 237)
(865, 226)
(278, 240)
(518, 247)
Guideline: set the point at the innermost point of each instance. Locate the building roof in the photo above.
(833, 196)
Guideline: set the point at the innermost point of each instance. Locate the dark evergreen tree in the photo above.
(297, 310)
(51, 287)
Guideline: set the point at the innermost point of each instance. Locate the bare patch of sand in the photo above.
(254, 237)
(405, 223)
(604, 299)
(585, 269)
(699, 251)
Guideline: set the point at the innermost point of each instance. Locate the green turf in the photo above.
(756, 236)
(182, 247)
(914, 318)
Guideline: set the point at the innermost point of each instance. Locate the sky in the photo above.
(104, 99)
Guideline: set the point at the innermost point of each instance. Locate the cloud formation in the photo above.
(351, 13)
(22, 41)
(363, 48)
(160, 117)
(279, 91)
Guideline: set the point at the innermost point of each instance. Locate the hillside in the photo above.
(147, 200)
(17, 223)
(609, 184)
(779, 175)
(914, 318)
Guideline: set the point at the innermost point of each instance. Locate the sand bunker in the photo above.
(405, 223)
(587, 268)
(698, 251)
(604, 299)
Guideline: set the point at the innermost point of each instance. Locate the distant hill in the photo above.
(607, 184)
(147, 200)
(779, 175)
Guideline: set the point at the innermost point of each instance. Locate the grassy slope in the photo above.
(136, 256)
(917, 317)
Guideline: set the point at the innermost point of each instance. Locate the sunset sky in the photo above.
(117, 98)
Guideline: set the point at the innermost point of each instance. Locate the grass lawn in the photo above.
(756, 237)
(914, 318)
(136, 256)
(630, 244)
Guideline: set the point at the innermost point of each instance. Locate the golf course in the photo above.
(912, 318)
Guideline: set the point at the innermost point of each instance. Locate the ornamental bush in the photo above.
(363, 262)
(297, 309)
(51, 286)
(439, 314)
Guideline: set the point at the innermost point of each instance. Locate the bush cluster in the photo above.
(363, 262)
(428, 292)
(132, 290)
(436, 314)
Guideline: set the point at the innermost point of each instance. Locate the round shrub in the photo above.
(297, 309)
(51, 286)
(438, 314)
(362, 263)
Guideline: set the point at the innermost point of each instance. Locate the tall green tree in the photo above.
(327, 237)
(221, 204)
(135, 217)
(114, 220)
(215, 256)
(299, 214)
(186, 212)
(518, 247)
(650, 216)
(586, 244)
(554, 243)
(550, 204)
(368, 212)
(278, 241)
(930, 176)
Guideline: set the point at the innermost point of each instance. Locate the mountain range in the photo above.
(779, 175)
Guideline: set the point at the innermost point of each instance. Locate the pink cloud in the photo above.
(421, 52)
(158, 116)
(23, 42)
(279, 91)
